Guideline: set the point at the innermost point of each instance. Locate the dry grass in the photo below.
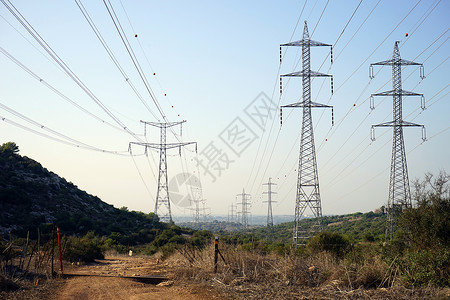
(28, 290)
(250, 275)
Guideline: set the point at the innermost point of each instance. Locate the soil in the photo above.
(106, 281)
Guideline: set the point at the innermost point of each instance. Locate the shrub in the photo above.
(428, 224)
(426, 267)
(332, 242)
(85, 249)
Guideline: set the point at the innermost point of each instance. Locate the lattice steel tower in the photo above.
(399, 192)
(232, 213)
(245, 205)
(308, 192)
(269, 207)
(269, 202)
(162, 203)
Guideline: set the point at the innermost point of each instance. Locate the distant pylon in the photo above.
(269, 206)
(269, 202)
(232, 214)
(162, 203)
(245, 205)
(399, 192)
(198, 211)
(308, 192)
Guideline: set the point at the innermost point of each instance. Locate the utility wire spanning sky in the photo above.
(212, 63)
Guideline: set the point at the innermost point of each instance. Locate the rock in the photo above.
(166, 283)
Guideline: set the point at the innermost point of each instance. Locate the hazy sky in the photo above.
(211, 63)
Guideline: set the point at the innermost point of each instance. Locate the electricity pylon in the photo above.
(196, 201)
(269, 206)
(245, 205)
(232, 214)
(162, 203)
(308, 192)
(399, 192)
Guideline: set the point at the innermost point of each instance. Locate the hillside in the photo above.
(31, 196)
(357, 227)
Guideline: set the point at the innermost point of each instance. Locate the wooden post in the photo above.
(53, 246)
(60, 253)
(216, 252)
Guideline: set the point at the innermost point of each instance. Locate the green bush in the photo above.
(426, 267)
(167, 250)
(85, 249)
(332, 242)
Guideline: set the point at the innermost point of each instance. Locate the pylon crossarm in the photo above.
(409, 124)
(392, 93)
(160, 125)
(385, 124)
(315, 104)
(141, 144)
(405, 62)
(302, 74)
(392, 124)
(300, 104)
(175, 145)
(303, 42)
(382, 63)
(293, 105)
(402, 62)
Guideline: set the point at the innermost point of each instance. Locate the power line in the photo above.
(320, 18)
(133, 57)
(421, 20)
(379, 45)
(384, 170)
(28, 27)
(56, 91)
(64, 139)
(111, 55)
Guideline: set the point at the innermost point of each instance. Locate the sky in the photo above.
(212, 64)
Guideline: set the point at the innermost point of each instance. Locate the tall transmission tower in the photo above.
(162, 203)
(308, 192)
(399, 192)
(245, 205)
(269, 206)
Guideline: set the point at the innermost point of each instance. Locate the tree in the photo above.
(9, 148)
(427, 224)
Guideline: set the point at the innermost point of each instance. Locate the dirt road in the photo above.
(104, 282)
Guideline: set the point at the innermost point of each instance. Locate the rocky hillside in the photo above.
(31, 196)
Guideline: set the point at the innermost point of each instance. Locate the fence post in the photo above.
(60, 253)
(53, 247)
(216, 252)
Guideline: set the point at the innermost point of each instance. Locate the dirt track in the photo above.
(115, 287)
